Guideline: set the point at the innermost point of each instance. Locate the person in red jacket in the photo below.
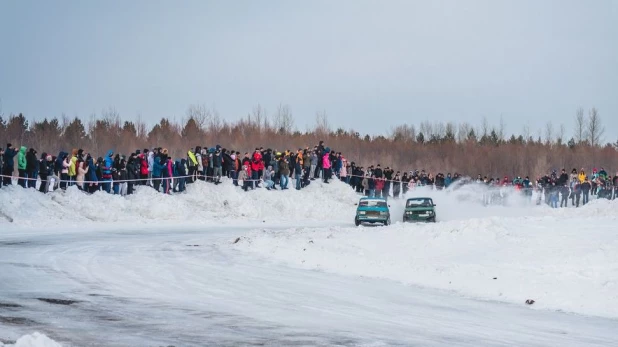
(257, 165)
(379, 187)
(143, 167)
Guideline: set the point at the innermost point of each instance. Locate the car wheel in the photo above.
(356, 221)
(388, 221)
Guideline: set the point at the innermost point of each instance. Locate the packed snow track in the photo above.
(189, 287)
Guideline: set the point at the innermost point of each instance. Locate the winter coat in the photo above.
(92, 172)
(326, 161)
(9, 155)
(82, 170)
(268, 175)
(343, 172)
(396, 186)
(66, 163)
(200, 164)
(150, 165)
(192, 159)
(298, 168)
(380, 184)
(131, 169)
(284, 168)
(72, 162)
(447, 181)
(21, 158)
(217, 160)
(256, 163)
(581, 177)
(306, 161)
(108, 163)
(585, 186)
(32, 163)
(243, 175)
(314, 159)
(371, 183)
(157, 167)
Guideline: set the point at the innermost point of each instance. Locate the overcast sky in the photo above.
(369, 64)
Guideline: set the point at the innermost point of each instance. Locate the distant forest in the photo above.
(433, 146)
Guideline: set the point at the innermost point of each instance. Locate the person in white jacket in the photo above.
(82, 170)
(200, 168)
(150, 166)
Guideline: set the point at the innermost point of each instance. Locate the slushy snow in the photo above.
(34, 340)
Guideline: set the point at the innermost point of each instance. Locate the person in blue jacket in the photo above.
(448, 180)
(93, 184)
(9, 164)
(106, 171)
(156, 173)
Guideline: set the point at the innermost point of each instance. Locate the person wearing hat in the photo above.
(9, 164)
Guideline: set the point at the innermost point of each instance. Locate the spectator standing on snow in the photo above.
(586, 186)
(396, 185)
(217, 165)
(32, 168)
(8, 165)
(82, 170)
(21, 166)
(326, 166)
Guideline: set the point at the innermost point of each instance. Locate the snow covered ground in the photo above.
(218, 266)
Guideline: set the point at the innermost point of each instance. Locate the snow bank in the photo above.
(34, 340)
(563, 259)
(201, 203)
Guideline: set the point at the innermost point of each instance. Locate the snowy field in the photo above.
(219, 267)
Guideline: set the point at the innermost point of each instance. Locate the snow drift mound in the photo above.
(562, 263)
(201, 203)
(34, 340)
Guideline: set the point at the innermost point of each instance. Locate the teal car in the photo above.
(372, 210)
(419, 210)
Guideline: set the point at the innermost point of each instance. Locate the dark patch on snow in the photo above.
(14, 243)
(16, 321)
(7, 342)
(529, 302)
(193, 245)
(58, 301)
(237, 240)
(8, 305)
(109, 319)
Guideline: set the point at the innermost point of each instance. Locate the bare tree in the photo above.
(560, 136)
(484, 127)
(463, 131)
(580, 126)
(549, 133)
(526, 133)
(258, 117)
(501, 129)
(322, 127)
(595, 128)
(284, 122)
(200, 114)
(140, 125)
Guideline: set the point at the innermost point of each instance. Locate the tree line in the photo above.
(432, 146)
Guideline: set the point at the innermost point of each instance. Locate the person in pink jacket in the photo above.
(326, 165)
